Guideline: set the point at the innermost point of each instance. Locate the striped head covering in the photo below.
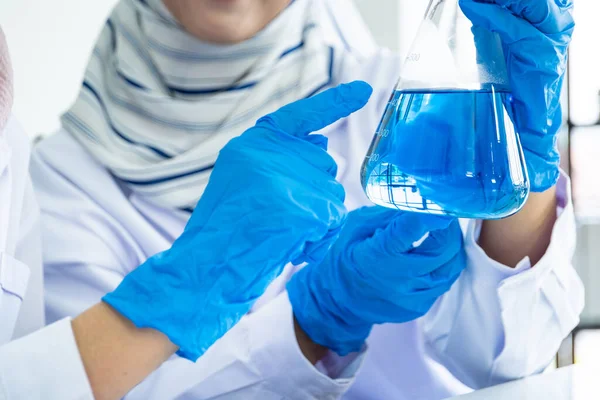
(6, 82)
(157, 104)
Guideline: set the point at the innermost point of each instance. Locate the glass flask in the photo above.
(447, 143)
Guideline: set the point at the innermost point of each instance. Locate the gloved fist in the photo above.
(535, 36)
(272, 198)
(387, 266)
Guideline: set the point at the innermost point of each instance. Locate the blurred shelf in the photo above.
(585, 173)
(587, 348)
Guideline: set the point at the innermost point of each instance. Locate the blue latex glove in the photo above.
(535, 36)
(375, 273)
(272, 198)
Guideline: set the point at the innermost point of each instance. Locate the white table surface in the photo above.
(571, 383)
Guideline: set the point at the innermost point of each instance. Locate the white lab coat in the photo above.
(496, 324)
(46, 364)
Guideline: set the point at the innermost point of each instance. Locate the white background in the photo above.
(49, 41)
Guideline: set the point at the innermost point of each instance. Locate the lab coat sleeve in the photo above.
(28, 252)
(21, 291)
(14, 277)
(44, 365)
(21, 305)
(498, 323)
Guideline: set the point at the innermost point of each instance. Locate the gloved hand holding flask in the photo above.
(535, 35)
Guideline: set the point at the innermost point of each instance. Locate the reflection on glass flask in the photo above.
(447, 152)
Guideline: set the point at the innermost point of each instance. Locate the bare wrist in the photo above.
(312, 351)
(525, 234)
(115, 354)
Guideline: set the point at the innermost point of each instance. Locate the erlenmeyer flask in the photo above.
(447, 143)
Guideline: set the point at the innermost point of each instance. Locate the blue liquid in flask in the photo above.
(450, 153)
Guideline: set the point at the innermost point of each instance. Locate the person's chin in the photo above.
(225, 21)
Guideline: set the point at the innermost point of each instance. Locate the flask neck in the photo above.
(450, 52)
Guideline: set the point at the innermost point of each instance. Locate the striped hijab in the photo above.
(157, 105)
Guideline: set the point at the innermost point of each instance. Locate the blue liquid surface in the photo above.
(449, 153)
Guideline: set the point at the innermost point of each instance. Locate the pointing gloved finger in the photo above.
(315, 113)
